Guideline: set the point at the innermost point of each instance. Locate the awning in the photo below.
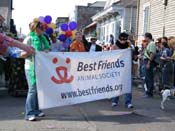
(90, 25)
(2, 18)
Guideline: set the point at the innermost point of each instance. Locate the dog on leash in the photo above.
(165, 96)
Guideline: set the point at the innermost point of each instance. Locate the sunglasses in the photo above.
(123, 39)
(40, 26)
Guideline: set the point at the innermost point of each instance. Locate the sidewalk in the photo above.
(93, 116)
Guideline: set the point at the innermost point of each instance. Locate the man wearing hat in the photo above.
(92, 46)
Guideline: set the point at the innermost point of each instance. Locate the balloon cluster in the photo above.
(67, 33)
(47, 23)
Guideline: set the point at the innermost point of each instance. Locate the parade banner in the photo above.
(74, 77)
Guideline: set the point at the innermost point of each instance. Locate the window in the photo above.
(146, 17)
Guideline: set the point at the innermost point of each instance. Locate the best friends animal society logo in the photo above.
(62, 78)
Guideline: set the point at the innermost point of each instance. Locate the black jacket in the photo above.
(87, 45)
(98, 48)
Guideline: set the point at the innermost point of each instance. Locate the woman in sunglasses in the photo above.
(122, 43)
(38, 41)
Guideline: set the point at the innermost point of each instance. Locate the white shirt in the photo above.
(57, 46)
(92, 48)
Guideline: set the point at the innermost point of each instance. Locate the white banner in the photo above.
(72, 78)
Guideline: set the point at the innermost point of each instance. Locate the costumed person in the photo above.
(77, 45)
(40, 43)
(122, 43)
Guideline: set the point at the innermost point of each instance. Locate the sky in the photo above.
(26, 10)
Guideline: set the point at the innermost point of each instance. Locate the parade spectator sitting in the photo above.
(122, 43)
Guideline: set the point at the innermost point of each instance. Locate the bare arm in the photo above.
(27, 48)
(8, 41)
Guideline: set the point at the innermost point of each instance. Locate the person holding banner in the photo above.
(78, 45)
(40, 43)
(122, 43)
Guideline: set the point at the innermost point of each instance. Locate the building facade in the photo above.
(6, 7)
(156, 17)
(61, 20)
(116, 17)
(82, 14)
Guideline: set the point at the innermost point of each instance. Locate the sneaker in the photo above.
(114, 104)
(41, 114)
(130, 106)
(31, 118)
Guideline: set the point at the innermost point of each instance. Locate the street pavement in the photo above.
(92, 116)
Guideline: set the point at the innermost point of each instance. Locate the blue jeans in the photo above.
(149, 78)
(32, 108)
(142, 70)
(164, 75)
(128, 99)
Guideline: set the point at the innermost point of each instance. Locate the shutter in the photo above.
(146, 19)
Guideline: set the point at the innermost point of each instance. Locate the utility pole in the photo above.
(165, 3)
(137, 19)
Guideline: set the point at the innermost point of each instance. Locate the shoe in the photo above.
(114, 104)
(31, 118)
(41, 114)
(129, 106)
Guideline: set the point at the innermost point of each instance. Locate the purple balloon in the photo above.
(41, 19)
(72, 25)
(48, 19)
(62, 37)
(49, 30)
(64, 27)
